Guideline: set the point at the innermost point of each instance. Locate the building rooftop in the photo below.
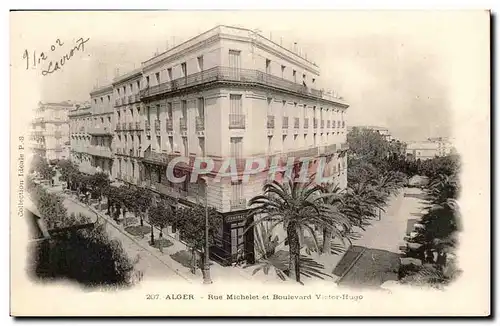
(219, 29)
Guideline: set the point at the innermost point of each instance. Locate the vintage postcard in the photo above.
(250, 163)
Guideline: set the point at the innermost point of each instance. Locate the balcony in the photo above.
(124, 126)
(125, 100)
(158, 158)
(119, 151)
(183, 123)
(147, 126)
(296, 123)
(200, 124)
(138, 126)
(237, 204)
(57, 134)
(170, 125)
(118, 102)
(131, 99)
(236, 76)
(285, 123)
(328, 124)
(306, 123)
(315, 123)
(100, 131)
(322, 124)
(101, 151)
(270, 122)
(157, 125)
(236, 121)
(118, 127)
(131, 126)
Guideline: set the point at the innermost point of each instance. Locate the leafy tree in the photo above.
(191, 224)
(98, 183)
(141, 203)
(68, 171)
(160, 216)
(40, 166)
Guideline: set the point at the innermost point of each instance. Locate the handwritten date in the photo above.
(35, 59)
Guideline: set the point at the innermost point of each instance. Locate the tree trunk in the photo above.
(141, 218)
(294, 252)
(109, 207)
(161, 232)
(327, 241)
(152, 236)
(193, 261)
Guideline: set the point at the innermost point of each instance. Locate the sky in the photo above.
(395, 69)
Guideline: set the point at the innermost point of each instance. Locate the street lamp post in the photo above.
(206, 265)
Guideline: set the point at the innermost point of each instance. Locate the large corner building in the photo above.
(228, 92)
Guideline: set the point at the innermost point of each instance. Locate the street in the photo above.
(376, 257)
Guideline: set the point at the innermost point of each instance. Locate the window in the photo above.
(118, 90)
(184, 69)
(201, 107)
(133, 170)
(200, 63)
(109, 98)
(157, 76)
(313, 80)
(147, 81)
(171, 142)
(158, 112)
(269, 106)
(185, 145)
(295, 76)
(283, 71)
(132, 113)
(102, 100)
(237, 192)
(147, 113)
(269, 144)
(158, 143)
(169, 110)
(284, 108)
(124, 90)
(202, 146)
(138, 85)
(102, 120)
(184, 108)
(236, 149)
(169, 72)
(268, 66)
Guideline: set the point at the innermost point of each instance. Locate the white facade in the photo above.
(50, 130)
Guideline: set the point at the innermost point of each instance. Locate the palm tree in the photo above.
(341, 223)
(295, 205)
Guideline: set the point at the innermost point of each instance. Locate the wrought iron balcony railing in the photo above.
(200, 124)
(328, 124)
(100, 130)
(157, 125)
(315, 123)
(170, 125)
(236, 121)
(270, 122)
(285, 123)
(234, 75)
(124, 126)
(125, 100)
(296, 123)
(236, 204)
(138, 126)
(306, 123)
(131, 126)
(147, 125)
(322, 123)
(118, 127)
(183, 123)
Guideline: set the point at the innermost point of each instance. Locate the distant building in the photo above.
(50, 130)
(381, 130)
(430, 148)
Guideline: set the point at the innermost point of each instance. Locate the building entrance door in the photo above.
(237, 241)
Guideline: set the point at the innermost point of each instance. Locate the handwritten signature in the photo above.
(34, 60)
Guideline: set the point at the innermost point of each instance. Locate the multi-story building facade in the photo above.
(101, 129)
(232, 93)
(226, 93)
(50, 130)
(130, 124)
(430, 148)
(79, 122)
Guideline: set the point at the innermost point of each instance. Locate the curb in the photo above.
(109, 221)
